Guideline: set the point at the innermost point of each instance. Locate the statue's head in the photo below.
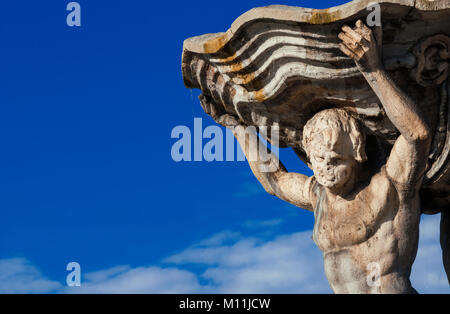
(335, 144)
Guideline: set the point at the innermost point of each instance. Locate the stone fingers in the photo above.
(348, 52)
(352, 33)
(361, 35)
(350, 47)
(363, 30)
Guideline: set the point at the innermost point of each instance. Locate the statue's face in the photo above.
(333, 163)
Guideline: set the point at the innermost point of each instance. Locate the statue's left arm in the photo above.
(407, 161)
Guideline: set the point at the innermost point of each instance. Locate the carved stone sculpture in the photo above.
(366, 108)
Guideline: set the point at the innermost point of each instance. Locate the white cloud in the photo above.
(287, 264)
(428, 275)
(125, 279)
(17, 275)
(103, 275)
(219, 238)
(255, 224)
(230, 263)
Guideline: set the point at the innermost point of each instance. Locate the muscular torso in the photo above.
(374, 231)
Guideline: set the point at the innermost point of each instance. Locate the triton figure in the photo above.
(362, 216)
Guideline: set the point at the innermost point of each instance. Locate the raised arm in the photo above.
(270, 172)
(408, 157)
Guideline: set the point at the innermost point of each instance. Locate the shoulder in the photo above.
(380, 181)
(381, 188)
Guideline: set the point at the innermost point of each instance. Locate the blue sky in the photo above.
(86, 173)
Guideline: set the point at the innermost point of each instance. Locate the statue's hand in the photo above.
(359, 44)
(219, 115)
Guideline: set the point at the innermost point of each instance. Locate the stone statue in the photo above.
(367, 205)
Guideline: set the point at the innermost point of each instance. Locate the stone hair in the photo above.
(341, 121)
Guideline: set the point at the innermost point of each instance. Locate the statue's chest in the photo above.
(339, 225)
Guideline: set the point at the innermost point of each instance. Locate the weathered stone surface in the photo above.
(280, 65)
(367, 109)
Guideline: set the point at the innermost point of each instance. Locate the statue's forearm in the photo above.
(360, 44)
(250, 145)
(401, 110)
